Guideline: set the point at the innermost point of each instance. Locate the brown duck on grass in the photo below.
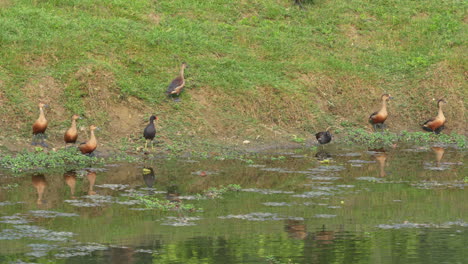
(39, 127)
(71, 135)
(91, 144)
(437, 123)
(378, 118)
(176, 86)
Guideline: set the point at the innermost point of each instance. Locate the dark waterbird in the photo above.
(176, 86)
(150, 131)
(378, 118)
(324, 137)
(39, 127)
(437, 123)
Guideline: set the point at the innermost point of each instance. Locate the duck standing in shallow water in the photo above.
(71, 135)
(39, 127)
(437, 123)
(378, 118)
(91, 144)
(150, 131)
(176, 86)
(324, 137)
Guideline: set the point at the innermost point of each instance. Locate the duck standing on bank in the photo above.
(176, 86)
(378, 118)
(437, 123)
(39, 127)
(71, 135)
(89, 146)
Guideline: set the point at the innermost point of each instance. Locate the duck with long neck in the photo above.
(91, 144)
(437, 123)
(39, 127)
(378, 118)
(176, 86)
(72, 133)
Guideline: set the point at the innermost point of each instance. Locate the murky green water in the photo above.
(357, 206)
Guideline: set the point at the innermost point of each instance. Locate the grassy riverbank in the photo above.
(259, 70)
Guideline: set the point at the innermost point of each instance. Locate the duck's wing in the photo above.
(175, 85)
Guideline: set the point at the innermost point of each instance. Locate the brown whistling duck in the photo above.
(324, 137)
(378, 118)
(436, 124)
(176, 86)
(72, 133)
(91, 144)
(150, 131)
(39, 127)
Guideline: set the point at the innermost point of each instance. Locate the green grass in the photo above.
(268, 62)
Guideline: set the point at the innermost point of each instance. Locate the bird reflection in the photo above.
(91, 176)
(39, 182)
(70, 180)
(322, 155)
(296, 229)
(439, 154)
(381, 159)
(324, 237)
(148, 176)
(173, 193)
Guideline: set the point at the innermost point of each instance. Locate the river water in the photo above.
(335, 205)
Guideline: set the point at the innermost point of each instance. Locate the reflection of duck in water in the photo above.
(173, 193)
(324, 237)
(381, 159)
(439, 154)
(296, 229)
(92, 179)
(122, 255)
(39, 182)
(70, 180)
(148, 177)
(323, 155)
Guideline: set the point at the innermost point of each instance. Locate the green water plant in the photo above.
(165, 205)
(214, 192)
(38, 159)
(386, 138)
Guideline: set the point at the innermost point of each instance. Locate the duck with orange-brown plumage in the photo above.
(89, 146)
(39, 127)
(437, 123)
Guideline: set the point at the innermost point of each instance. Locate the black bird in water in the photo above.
(176, 86)
(324, 137)
(150, 131)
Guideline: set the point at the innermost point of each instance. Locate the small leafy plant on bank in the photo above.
(214, 192)
(361, 136)
(165, 205)
(53, 159)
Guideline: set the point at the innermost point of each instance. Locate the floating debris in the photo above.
(149, 251)
(407, 224)
(277, 204)
(266, 191)
(261, 217)
(50, 214)
(35, 232)
(312, 194)
(361, 161)
(80, 250)
(114, 187)
(370, 179)
(180, 221)
(324, 216)
(204, 173)
(256, 166)
(10, 203)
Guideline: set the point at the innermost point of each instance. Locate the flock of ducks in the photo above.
(377, 119)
